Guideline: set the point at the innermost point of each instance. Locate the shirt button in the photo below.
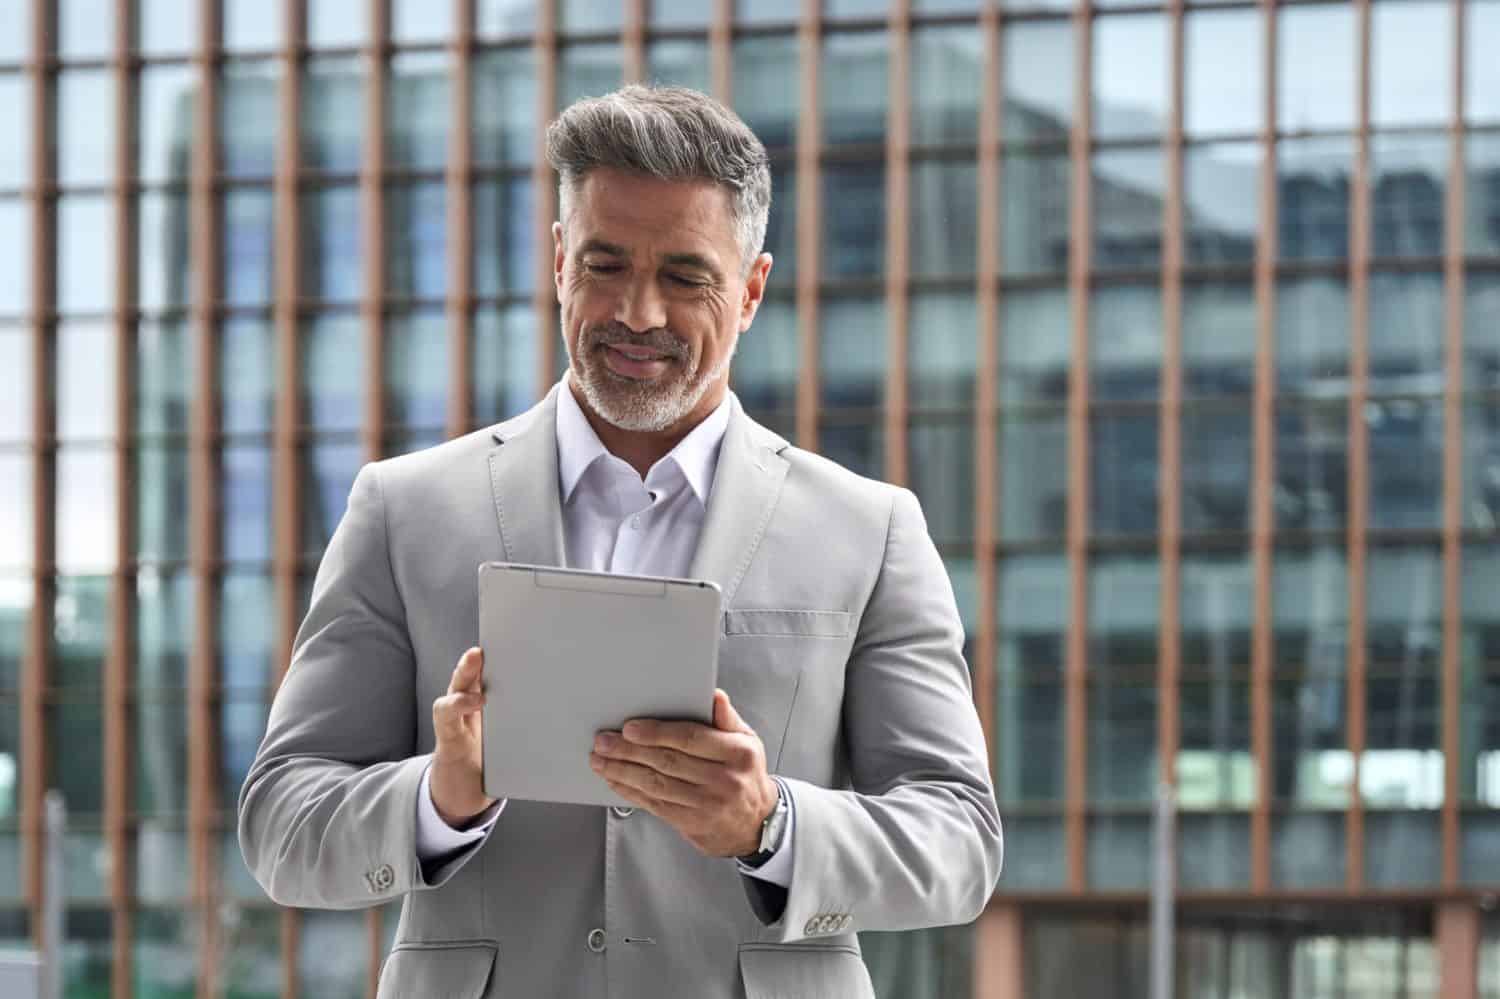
(635, 523)
(596, 941)
(622, 811)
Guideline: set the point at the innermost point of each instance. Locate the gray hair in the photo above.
(671, 133)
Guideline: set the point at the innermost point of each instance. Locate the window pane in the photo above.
(1125, 342)
(333, 376)
(247, 375)
(166, 99)
(331, 247)
(1482, 216)
(1223, 79)
(15, 257)
(854, 220)
(851, 351)
(1481, 73)
(1311, 633)
(503, 18)
(243, 725)
(252, 965)
(1482, 331)
(249, 272)
(1213, 851)
(942, 349)
(1128, 186)
(1404, 849)
(15, 129)
(85, 380)
(245, 503)
(765, 87)
(943, 224)
(1033, 474)
(85, 28)
(418, 109)
(921, 963)
(857, 444)
(781, 226)
(251, 25)
(1221, 187)
(504, 357)
(942, 475)
(1312, 337)
(1312, 447)
(15, 402)
(1410, 176)
(16, 540)
(161, 754)
(15, 32)
(678, 63)
(1038, 60)
(767, 11)
(766, 361)
(1124, 468)
(416, 220)
(1035, 345)
(1131, 74)
(85, 253)
(1214, 765)
(1405, 90)
(86, 520)
(249, 118)
(162, 509)
(588, 70)
(1308, 850)
(947, 73)
(167, 27)
(1406, 332)
(164, 616)
(505, 258)
(165, 949)
(1313, 178)
(583, 15)
(1218, 338)
(328, 471)
(421, 21)
(1316, 62)
(504, 106)
(1032, 612)
(333, 949)
(334, 23)
(1124, 592)
(80, 627)
(1481, 467)
(416, 369)
(164, 265)
(87, 952)
(16, 593)
(854, 88)
(10, 753)
(75, 752)
(1216, 467)
(855, 8)
(333, 113)
(246, 606)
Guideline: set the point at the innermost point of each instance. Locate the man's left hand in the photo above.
(707, 782)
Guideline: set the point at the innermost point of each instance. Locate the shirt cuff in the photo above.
(777, 870)
(435, 837)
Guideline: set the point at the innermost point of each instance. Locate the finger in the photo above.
(669, 762)
(450, 710)
(691, 738)
(726, 719)
(467, 673)
(644, 780)
(637, 798)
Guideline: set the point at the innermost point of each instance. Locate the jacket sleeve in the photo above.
(915, 841)
(327, 814)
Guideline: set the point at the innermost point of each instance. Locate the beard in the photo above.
(642, 405)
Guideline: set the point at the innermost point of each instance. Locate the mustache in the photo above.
(662, 341)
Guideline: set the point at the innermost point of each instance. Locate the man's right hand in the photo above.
(457, 777)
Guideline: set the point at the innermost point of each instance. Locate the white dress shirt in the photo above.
(613, 521)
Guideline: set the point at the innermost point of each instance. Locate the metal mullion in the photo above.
(372, 210)
(809, 220)
(460, 225)
(1453, 482)
(544, 186)
(897, 236)
(633, 42)
(1262, 527)
(1079, 260)
(721, 52)
(203, 497)
(1359, 458)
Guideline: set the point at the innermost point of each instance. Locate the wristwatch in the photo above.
(770, 831)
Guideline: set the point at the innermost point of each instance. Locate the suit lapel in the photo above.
(747, 481)
(523, 477)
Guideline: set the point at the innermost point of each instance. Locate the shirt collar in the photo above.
(578, 447)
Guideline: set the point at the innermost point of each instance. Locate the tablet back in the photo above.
(569, 653)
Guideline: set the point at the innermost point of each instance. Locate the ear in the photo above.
(559, 256)
(755, 290)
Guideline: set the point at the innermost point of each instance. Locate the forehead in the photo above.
(647, 214)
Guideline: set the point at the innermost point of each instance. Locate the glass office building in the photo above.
(1183, 320)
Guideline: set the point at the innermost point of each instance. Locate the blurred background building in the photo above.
(1183, 321)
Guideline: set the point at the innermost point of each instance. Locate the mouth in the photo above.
(631, 361)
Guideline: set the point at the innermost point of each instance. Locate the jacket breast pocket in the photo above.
(459, 970)
(804, 972)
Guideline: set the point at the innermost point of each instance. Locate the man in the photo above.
(843, 784)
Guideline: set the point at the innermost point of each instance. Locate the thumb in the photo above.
(726, 719)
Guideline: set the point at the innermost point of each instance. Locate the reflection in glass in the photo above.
(242, 725)
(416, 369)
(1481, 71)
(1308, 850)
(85, 380)
(87, 952)
(247, 394)
(1213, 851)
(333, 113)
(248, 118)
(851, 353)
(1216, 467)
(1482, 211)
(1125, 324)
(854, 220)
(1033, 473)
(17, 544)
(1130, 78)
(87, 859)
(584, 15)
(328, 471)
(942, 350)
(166, 27)
(164, 615)
(1214, 765)
(857, 445)
(1310, 491)
(1221, 188)
(504, 251)
(498, 18)
(504, 106)
(252, 957)
(947, 70)
(1033, 860)
(161, 502)
(80, 629)
(1406, 336)
(504, 357)
(1038, 64)
(765, 363)
(10, 753)
(161, 754)
(1032, 612)
(15, 257)
(854, 87)
(417, 106)
(1312, 767)
(331, 244)
(85, 253)
(245, 503)
(15, 129)
(251, 25)
(1124, 470)
(1123, 615)
(333, 369)
(765, 86)
(1403, 90)
(1409, 178)
(164, 264)
(1218, 338)
(165, 945)
(333, 951)
(85, 28)
(1313, 178)
(1223, 76)
(1316, 67)
(249, 238)
(1481, 466)
(15, 32)
(246, 604)
(15, 402)
(588, 70)
(781, 227)
(165, 102)
(85, 509)
(1482, 330)
(420, 21)
(944, 228)
(678, 62)
(416, 240)
(1128, 187)
(75, 736)
(1479, 648)
(941, 453)
(1035, 330)
(1312, 337)
(337, 23)
(767, 12)
(1034, 203)
(679, 14)
(1119, 852)
(1404, 849)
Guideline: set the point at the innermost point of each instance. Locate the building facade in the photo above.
(1182, 320)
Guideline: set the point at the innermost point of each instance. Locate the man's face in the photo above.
(653, 296)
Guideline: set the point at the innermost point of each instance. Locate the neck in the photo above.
(641, 449)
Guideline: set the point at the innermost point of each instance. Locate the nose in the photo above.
(641, 307)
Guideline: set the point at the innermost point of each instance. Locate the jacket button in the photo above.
(596, 941)
(622, 811)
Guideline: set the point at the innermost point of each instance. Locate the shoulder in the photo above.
(419, 471)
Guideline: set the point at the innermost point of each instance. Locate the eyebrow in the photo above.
(696, 261)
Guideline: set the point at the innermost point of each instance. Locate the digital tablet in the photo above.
(569, 653)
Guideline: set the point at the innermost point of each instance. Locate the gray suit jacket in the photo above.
(841, 646)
